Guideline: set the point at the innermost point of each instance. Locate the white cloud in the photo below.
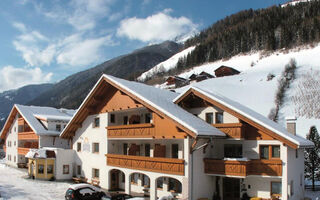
(20, 26)
(12, 77)
(76, 51)
(156, 28)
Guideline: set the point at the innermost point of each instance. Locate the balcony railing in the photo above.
(23, 151)
(243, 168)
(27, 136)
(232, 130)
(131, 131)
(161, 165)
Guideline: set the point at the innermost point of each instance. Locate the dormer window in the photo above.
(96, 122)
(58, 127)
(219, 117)
(209, 118)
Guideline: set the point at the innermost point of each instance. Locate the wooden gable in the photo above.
(254, 130)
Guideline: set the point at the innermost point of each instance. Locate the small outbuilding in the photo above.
(225, 71)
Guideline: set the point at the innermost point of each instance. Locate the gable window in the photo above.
(233, 150)
(95, 173)
(96, 122)
(95, 148)
(174, 150)
(58, 127)
(276, 188)
(112, 118)
(209, 118)
(125, 120)
(65, 169)
(148, 117)
(20, 128)
(134, 178)
(219, 117)
(269, 151)
(78, 146)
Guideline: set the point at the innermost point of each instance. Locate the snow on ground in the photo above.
(251, 87)
(314, 195)
(166, 65)
(14, 187)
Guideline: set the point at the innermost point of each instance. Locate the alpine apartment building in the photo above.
(198, 144)
(33, 127)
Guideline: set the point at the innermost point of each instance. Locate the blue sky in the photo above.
(45, 41)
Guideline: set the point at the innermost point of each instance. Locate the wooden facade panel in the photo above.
(23, 151)
(243, 168)
(4, 148)
(27, 136)
(119, 101)
(232, 130)
(131, 131)
(166, 128)
(161, 165)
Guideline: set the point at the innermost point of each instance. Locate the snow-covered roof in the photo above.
(29, 113)
(40, 153)
(163, 100)
(53, 117)
(252, 115)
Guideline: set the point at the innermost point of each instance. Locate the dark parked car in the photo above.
(85, 191)
(120, 196)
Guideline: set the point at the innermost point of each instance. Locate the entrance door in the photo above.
(231, 189)
(115, 180)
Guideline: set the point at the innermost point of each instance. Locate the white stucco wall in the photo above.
(12, 151)
(201, 113)
(53, 141)
(88, 160)
(64, 157)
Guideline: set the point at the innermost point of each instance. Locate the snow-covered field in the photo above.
(14, 187)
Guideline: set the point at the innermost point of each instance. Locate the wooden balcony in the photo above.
(131, 131)
(23, 151)
(232, 130)
(243, 168)
(27, 136)
(161, 165)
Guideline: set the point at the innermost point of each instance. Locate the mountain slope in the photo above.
(254, 88)
(19, 96)
(70, 92)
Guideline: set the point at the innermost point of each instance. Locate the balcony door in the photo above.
(231, 189)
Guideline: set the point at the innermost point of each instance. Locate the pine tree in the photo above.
(312, 160)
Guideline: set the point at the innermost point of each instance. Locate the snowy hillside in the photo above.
(166, 65)
(294, 2)
(253, 89)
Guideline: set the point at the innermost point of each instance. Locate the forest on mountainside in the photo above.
(267, 29)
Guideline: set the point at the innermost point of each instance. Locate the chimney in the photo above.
(291, 125)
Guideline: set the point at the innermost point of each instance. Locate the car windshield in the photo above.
(69, 192)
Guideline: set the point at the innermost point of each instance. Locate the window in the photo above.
(174, 150)
(20, 128)
(269, 151)
(233, 150)
(50, 169)
(148, 117)
(96, 122)
(95, 148)
(125, 120)
(58, 127)
(65, 169)
(276, 151)
(125, 149)
(209, 118)
(78, 146)
(112, 118)
(123, 177)
(14, 143)
(291, 188)
(15, 129)
(145, 181)
(276, 188)
(297, 153)
(264, 152)
(219, 118)
(147, 150)
(79, 169)
(40, 169)
(175, 185)
(95, 173)
(14, 158)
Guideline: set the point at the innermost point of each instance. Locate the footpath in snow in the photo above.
(14, 187)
